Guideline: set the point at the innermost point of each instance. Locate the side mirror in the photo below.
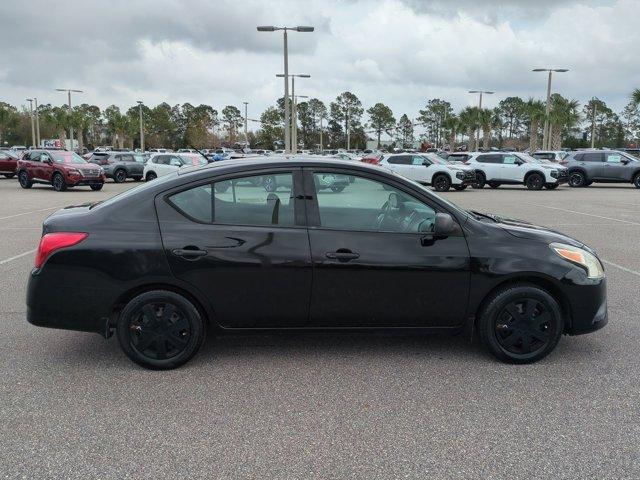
(444, 225)
(426, 163)
(624, 161)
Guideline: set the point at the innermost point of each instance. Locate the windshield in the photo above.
(437, 159)
(139, 158)
(64, 156)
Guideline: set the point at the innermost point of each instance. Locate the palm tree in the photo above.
(497, 124)
(485, 117)
(469, 122)
(635, 96)
(563, 118)
(535, 110)
(451, 124)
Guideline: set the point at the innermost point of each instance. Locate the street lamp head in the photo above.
(266, 28)
(473, 91)
(304, 75)
(139, 102)
(490, 93)
(281, 75)
(561, 70)
(304, 29)
(540, 70)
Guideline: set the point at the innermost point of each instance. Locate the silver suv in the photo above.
(606, 166)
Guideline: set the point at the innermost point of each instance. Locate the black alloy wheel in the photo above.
(534, 181)
(577, 179)
(481, 180)
(120, 176)
(521, 324)
(24, 181)
(441, 183)
(59, 185)
(160, 330)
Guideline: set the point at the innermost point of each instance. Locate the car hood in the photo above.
(529, 231)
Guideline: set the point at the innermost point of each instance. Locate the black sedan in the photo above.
(208, 249)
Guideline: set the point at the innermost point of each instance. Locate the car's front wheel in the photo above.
(480, 180)
(160, 330)
(521, 323)
(636, 180)
(534, 181)
(441, 183)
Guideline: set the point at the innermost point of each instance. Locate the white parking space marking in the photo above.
(624, 269)
(24, 254)
(587, 214)
(29, 213)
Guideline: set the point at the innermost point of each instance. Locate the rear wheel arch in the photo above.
(530, 280)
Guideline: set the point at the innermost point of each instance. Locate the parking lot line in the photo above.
(587, 214)
(24, 254)
(33, 211)
(624, 269)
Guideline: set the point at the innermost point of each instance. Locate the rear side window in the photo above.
(591, 157)
(489, 158)
(254, 201)
(400, 160)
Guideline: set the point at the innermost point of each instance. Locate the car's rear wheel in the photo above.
(480, 180)
(151, 176)
(24, 181)
(577, 179)
(494, 184)
(636, 180)
(459, 187)
(9, 175)
(441, 183)
(97, 186)
(534, 181)
(120, 176)
(521, 323)
(160, 330)
(59, 185)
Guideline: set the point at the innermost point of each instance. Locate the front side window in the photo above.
(175, 162)
(254, 201)
(509, 159)
(368, 205)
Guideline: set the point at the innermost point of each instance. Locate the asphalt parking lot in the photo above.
(371, 406)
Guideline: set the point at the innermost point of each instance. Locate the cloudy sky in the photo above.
(400, 52)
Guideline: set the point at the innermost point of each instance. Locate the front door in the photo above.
(512, 169)
(614, 168)
(371, 264)
(245, 249)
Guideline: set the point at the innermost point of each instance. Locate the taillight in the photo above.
(51, 242)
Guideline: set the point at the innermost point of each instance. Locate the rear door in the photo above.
(593, 163)
(371, 264)
(491, 166)
(245, 249)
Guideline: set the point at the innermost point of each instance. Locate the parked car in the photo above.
(8, 163)
(60, 168)
(385, 254)
(122, 165)
(603, 166)
(515, 168)
(430, 169)
(160, 164)
(555, 156)
(187, 150)
(372, 158)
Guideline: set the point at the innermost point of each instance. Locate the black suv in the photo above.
(120, 165)
(606, 166)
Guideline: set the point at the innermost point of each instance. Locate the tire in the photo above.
(23, 179)
(552, 186)
(337, 189)
(441, 183)
(270, 184)
(59, 185)
(494, 184)
(535, 181)
(511, 333)
(9, 175)
(577, 179)
(151, 176)
(120, 176)
(636, 180)
(459, 187)
(174, 330)
(97, 186)
(481, 180)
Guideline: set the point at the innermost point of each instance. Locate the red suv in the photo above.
(8, 163)
(60, 168)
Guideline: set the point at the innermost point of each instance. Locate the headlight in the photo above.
(101, 171)
(580, 257)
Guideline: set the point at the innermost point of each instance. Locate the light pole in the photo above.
(294, 124)
(287, 132)
(246, 138)
(33, 127)
(141, 127)
(69, 90)
(480, 108)
(37, 123)
(545, 132)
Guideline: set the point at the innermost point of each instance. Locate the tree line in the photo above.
(513, 123)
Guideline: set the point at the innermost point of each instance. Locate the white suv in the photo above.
(430, 169)
(515, 168)
(160, 164)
